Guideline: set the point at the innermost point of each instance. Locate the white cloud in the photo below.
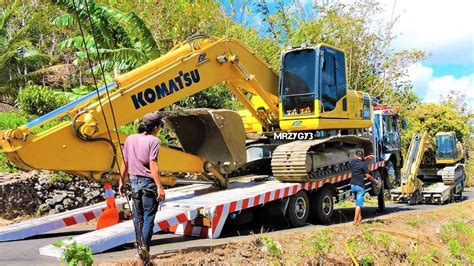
(435, 89)
(439, 27)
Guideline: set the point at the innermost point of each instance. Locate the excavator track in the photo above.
(450, 174)
(294, 161)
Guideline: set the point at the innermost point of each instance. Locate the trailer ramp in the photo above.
(49, 223)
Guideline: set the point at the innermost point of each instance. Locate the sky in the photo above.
(445, 31)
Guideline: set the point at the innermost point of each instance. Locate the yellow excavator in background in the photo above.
(310, 95)
(433, 172)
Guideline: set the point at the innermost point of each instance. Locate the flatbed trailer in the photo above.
(202, 210)
(434, 192)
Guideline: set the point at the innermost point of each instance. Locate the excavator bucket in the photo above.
(215, 135)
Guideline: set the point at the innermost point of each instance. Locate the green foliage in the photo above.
(37, 100)
(367, 260)
(123, 39)
(18, 54)
(10, 120)
(320, 244)
(414, 221)
(434, 118)
(217, 97)
(6, 166)
(371, 64)
(128, 129)
(421, 258)
(468, 145)
(459, 236)
(454, 248)
(273, 247)
(76, 92)
(61, 177)
(132, 128)
(75, 254)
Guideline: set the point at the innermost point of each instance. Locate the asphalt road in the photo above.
(25, 252)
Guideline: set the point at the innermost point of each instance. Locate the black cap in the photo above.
(152, 119)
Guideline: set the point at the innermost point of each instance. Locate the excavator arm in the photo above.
(82, 146)
(410, 184)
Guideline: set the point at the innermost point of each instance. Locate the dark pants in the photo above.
(145, 205)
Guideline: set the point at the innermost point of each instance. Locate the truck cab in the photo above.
(387, 126)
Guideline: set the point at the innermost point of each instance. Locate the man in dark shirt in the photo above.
(359, 171)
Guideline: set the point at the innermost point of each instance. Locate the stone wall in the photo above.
(39, 193)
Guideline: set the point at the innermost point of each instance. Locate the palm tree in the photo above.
(18, 57)
(123, 40)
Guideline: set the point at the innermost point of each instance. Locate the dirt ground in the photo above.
(443, 236)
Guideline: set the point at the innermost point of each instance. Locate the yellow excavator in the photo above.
(310, 95)
(433, 171)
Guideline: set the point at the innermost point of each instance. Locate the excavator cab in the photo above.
(447, 148)
(314, 94)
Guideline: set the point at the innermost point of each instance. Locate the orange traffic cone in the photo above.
(110, 215)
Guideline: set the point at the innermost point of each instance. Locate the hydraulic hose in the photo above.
(78, 134)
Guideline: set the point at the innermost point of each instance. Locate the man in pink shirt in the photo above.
(140, 158)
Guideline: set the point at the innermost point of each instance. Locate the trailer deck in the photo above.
(178, 213)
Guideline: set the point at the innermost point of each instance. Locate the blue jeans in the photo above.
(145, 206)
(359, 194)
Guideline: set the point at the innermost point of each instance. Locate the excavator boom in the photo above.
(82, 146)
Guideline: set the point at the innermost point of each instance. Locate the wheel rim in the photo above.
(327, 205)
(300, 207)
(391, 173)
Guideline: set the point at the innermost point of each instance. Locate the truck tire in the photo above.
(373, 190)
(322, 205)
(391, 175)
(298, 209)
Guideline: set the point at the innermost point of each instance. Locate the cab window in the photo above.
(333, 82)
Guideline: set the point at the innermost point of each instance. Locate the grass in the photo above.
(459, 237)
(385, 240)
(273, 247)
(416, 257)
(60, 177)
(414, 221)
(320, 244)
(454, 248)
(5, 165)
(367, 260)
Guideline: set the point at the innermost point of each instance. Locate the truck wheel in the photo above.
(391, 178)
(374, 191)
(381, 199)
(298, 209)
(322, 205)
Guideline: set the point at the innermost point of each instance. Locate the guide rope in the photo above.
(138, 228)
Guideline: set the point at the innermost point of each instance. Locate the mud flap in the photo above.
(215, 135)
